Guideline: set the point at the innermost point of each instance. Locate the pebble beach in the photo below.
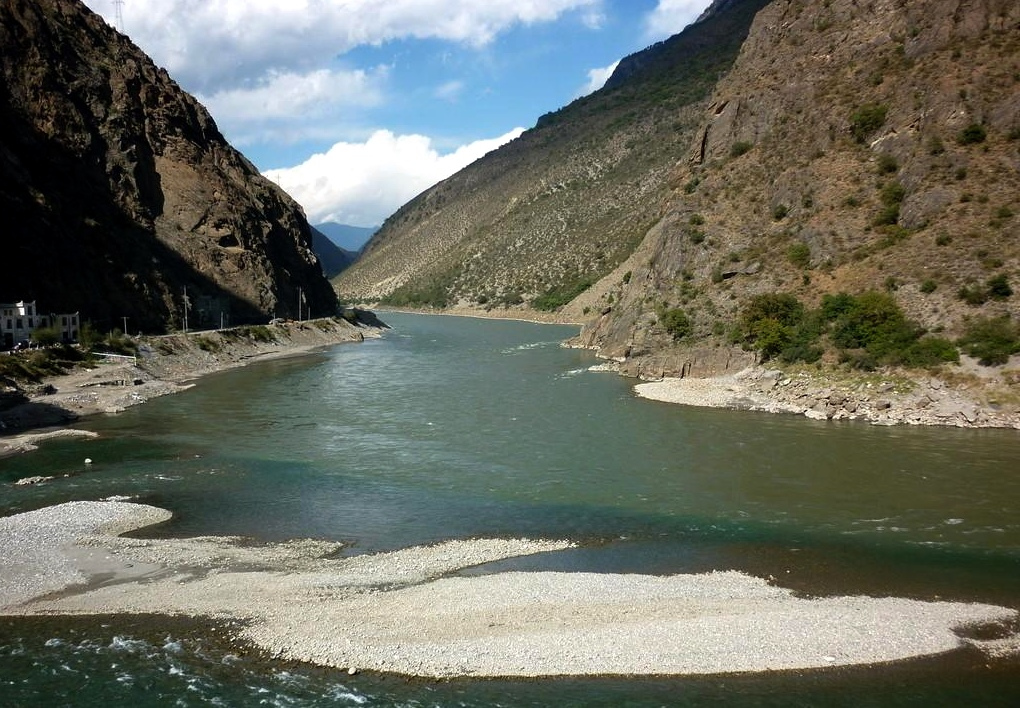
(409, 612)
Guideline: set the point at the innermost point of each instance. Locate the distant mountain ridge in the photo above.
(332, 258)
(119, 193)
(349, 238)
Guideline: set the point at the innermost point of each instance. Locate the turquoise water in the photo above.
(453, 428)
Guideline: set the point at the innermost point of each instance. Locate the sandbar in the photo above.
(409, 612)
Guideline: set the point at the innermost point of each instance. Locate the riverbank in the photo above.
(958, 399)
(407, 612)
(165, 365)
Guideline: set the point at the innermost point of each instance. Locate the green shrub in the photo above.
(972, 134)
(799, 255)
(780, 211)
(257, 333)
(206, 344)
(88, 336)
(768, 323)
(998, 287)
(928, 351)
(740, 148)
(992, 340)
(867, 119)
(677, 323)
(557, 297)
(46, 336)
(973, 295)
(892, 196)
(872, 320)
(887, 164)
(929, 286)
(116, 342)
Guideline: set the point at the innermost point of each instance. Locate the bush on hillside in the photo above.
(677, 323)
(992, 340)
(869, 330)
(867, 119)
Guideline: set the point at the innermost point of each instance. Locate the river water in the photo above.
(454, 428)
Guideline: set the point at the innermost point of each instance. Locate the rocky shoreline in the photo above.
(165, 365)
(891, 398)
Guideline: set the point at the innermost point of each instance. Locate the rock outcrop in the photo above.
(118, 191)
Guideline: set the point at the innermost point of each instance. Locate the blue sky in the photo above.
(356, 106)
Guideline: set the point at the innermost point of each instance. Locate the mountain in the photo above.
(824, 148)
(853, 148)
(349, 238)
(561, 206)
(119, 192)
(332, 258)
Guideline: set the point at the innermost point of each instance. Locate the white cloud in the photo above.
(362, 183)
(450, 91)
(290, 106)
(671, 16)
(597, 78)
(210, 45)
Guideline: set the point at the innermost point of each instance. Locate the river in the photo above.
(452, 428)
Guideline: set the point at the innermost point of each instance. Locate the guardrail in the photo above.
(133, 359)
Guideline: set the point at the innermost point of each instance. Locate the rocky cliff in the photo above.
(118, 191)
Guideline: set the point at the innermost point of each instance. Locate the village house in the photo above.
(19, 320)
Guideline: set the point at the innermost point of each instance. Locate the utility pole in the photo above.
(125, 324)
(300, 297)
(185, 309)
(118, 9)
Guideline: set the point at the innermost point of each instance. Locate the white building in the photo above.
(19, 320)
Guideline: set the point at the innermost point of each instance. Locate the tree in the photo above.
(677, 323)
(46, 336)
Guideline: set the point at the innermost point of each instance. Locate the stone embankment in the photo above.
(965, 398)
(164, 365)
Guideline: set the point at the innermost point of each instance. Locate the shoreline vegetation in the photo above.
(164, 365)
(407, 612)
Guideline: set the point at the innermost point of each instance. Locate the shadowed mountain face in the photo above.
(332, 257)
(118, 191)
(788, 146)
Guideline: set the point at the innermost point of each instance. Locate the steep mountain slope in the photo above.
(118, 191)
(854, 146)
(553, 211)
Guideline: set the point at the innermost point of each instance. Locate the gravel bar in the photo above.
(403, 611)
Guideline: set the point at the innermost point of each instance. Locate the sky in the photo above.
(356, 106)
